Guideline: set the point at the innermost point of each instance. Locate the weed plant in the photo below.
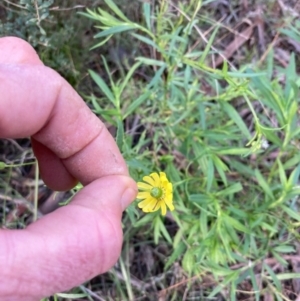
(227, 138)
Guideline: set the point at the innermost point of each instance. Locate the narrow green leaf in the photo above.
(103, 87)
(282, 174)
(225, 68)
(136, 103)
(241, 214)
(107, 19)
(295, 160)
(146, 40)
(236, 224)
(188, 261)
(113, 30)
(294, 177)
(270, 228)
(231, 189)
(201, 110)
(116, 10)
(164, 232)
(208, 46)
(246, 75)
(114, 88)
(291, 68)
(157, 77)
(233, 114)
(292, 213)
(95, 103)
(233, 151)
(128, 76)
(151, 62)
(280, 259)
(209, 174)
(187, 79)
(203, 222)
(101, 43)
(287, 276)
(175, 255)
(120, 134)
(254, 284)
(231, 277)
(175, 40)
(147, 218)
(90, 15)
(263, 184)
(221, 167)
(147, 14)
(284, 249)
(291, 32)
(273, 276)
(200, 198)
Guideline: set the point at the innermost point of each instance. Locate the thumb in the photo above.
(69, 246)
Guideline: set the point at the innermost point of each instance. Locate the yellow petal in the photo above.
(143, 195)
(144, 186)
(146, 202)
(163, 175)
(170, 204)
(149, 180)
(169, 187)
(156, 206)
(156, 178)
(142, 205)
(163, 208)
(168, 191)
(151, 206)
(169, 196)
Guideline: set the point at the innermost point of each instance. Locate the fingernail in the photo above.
(127, 197)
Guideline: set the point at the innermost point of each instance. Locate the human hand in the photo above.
(83, 239)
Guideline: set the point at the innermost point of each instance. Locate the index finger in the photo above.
(36, 101)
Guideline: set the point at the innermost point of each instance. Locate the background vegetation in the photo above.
(207, 92)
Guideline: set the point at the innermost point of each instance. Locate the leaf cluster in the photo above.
(227, 138)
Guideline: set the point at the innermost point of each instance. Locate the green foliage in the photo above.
(25, 19)
(235, 201)
(228, 139)
(52, 30)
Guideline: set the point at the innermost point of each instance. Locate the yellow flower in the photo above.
(156, 194)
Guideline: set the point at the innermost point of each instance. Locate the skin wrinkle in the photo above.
(52, 112)
(65, 134)
(84, 147)
(58, 143)
(105, 164)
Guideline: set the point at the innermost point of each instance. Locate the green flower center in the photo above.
(156, 192)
